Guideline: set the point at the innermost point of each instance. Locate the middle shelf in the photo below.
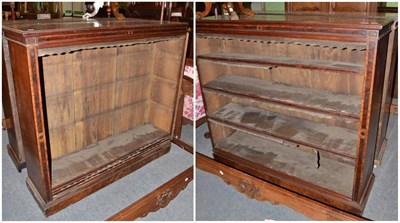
(332, 139)
(312, 99)
(286, 61)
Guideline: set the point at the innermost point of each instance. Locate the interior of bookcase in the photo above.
(285, 104)
(107, 101)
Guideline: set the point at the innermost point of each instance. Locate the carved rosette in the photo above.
(249, 189)
(164, 198)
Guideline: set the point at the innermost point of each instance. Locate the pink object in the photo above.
(188, 109)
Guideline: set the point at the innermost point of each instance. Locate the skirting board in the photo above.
(260, 190)
(159, 198)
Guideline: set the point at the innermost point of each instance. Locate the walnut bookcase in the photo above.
(295, 100)
(95, 99)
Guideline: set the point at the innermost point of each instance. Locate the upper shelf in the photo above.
(286, 61)
(312, 99)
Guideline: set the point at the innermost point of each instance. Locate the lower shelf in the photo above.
(105, 154)
(268, 156)
(332, 139)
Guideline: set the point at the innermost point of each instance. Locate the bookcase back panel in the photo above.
(167, 62)
(348, 52)
(163, 92)
(347, 83)
(134, 61)
(206, 46)
(160, 116)
(132, 91)
(130, 116)
(215, 100)
(96, 93)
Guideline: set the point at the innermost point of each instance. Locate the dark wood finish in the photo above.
(28, 98)
(159, 198)
(247, 69)
(79, 93)
(181, 90)
(183, 145)
(388, 9)
(201, 121)
(260, 190)
(186, 89)
(387, 95)
(11, 121)
(370, 110)
(383, 8)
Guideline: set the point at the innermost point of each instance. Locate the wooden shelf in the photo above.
(307, 98)
(331, 139)
(274, 158)
(105, 153)
(285, 61)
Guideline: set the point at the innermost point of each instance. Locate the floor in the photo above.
(19, 204)
(215, 200)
